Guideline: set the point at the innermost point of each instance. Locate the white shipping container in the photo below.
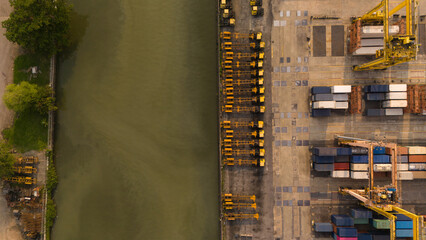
(342, 105)
(359, 175)
(382, 167)
(370, 42)
(340, 174)
(396, 95)
(405, 176)
(377, 31)
(366, 51)
(359, 166)
(394, 112)
(417, 166)
(402, 166)
(397, 87)
(341, 89)
(394, 103)
(324, 104)
(415, 150)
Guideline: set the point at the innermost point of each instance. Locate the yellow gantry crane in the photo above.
(255, 100)
(259, 152)
(243, 109)
(244, 162)
(242, 143)
(382, 200)
(229, 133)
(398, 48)
(237, 124)
(232, 202)
(243, 56)
(231, 83)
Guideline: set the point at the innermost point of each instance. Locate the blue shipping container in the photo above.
(375, 112)
(323, 159)
(361, 213)
(317, 90)
(323, 227)
(347, 232)
(359, 159)
(376, 96)
(323, 167)
(365, 236)
(377, 88)
(381, 159)
(402, 217)
(404, 225)
(321, 112)
(404, 233)
(342, 220)
(379, 150)
(344, 151)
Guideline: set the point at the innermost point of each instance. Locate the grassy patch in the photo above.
(22, 69)
(29, 131)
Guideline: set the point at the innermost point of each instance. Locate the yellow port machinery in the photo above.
(20, 179)
(398, 48)
(240, 216)
(238, 198)
(252, 36)
(237, 91)
(230, 73)
(258, 152)
(243, 143)
(25, 170)
(229, 133)
(242, 124)
(382, 199)
(229, 46)
(244, 162)
(255, 2)
(230, 64)
(243, 109)
(27, 160)
(243, 56)
(237, 205)
(256, 100)
(257, 11)
(229, 82)
(225, 4)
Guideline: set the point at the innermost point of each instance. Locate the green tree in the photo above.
(45, 102)
(40, 26)
(6, 160)
(20, 97)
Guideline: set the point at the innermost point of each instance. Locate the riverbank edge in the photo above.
(50, 143)
(219, 116)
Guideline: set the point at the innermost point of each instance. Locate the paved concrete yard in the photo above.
(300, 61)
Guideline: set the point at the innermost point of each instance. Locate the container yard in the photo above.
(323, 125)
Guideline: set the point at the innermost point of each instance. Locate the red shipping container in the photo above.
(341, 166)
(401, 151)
(417, 158)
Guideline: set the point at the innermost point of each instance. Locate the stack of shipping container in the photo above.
(325, 99)
(370, 39)
(345, 162)
(363, 224)
(391, 99)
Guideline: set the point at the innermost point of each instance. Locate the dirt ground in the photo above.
(8, 51)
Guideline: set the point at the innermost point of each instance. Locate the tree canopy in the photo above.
(40, 26)
(6, 160)
(20, 97)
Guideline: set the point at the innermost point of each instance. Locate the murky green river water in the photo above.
(136, 132)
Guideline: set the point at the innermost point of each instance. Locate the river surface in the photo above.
(136, 141)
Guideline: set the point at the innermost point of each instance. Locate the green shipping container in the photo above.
(381, 223)
(361, 220)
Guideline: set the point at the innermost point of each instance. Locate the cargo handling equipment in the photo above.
(382, 200)
(398, 48)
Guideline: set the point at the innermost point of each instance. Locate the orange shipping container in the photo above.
(417, 158)
(401, 151)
